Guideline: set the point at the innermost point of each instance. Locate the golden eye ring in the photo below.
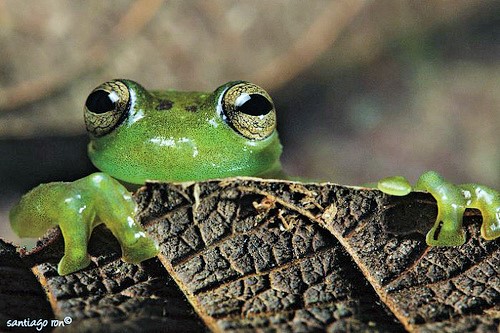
(106, 107)
(249, 110)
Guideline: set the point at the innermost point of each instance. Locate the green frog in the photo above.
(138, 135)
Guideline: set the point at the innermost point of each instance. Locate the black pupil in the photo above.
(99, 102)
(255, 105)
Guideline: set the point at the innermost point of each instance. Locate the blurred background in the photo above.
(363, 89)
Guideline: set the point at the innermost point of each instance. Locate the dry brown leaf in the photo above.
(265, 255)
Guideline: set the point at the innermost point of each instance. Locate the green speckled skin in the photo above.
(187, 136)
(188, 142)
(452, 200)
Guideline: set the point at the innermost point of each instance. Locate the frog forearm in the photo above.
(33, 208)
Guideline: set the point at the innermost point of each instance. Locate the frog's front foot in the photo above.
(440, 235)
(72, 262)
(139, 251)
(77, 208)
(452, 200)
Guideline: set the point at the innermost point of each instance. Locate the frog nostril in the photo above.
(191, 108)
(164, 104)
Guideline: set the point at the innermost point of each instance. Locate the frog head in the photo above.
(138, 135)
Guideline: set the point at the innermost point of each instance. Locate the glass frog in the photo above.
(138, 135)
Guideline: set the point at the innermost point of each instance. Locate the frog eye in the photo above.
(248, 109)
(106, 107)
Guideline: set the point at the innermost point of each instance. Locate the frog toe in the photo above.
(445, 237)
(490, 229)
(72, 263)
(141, 250)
